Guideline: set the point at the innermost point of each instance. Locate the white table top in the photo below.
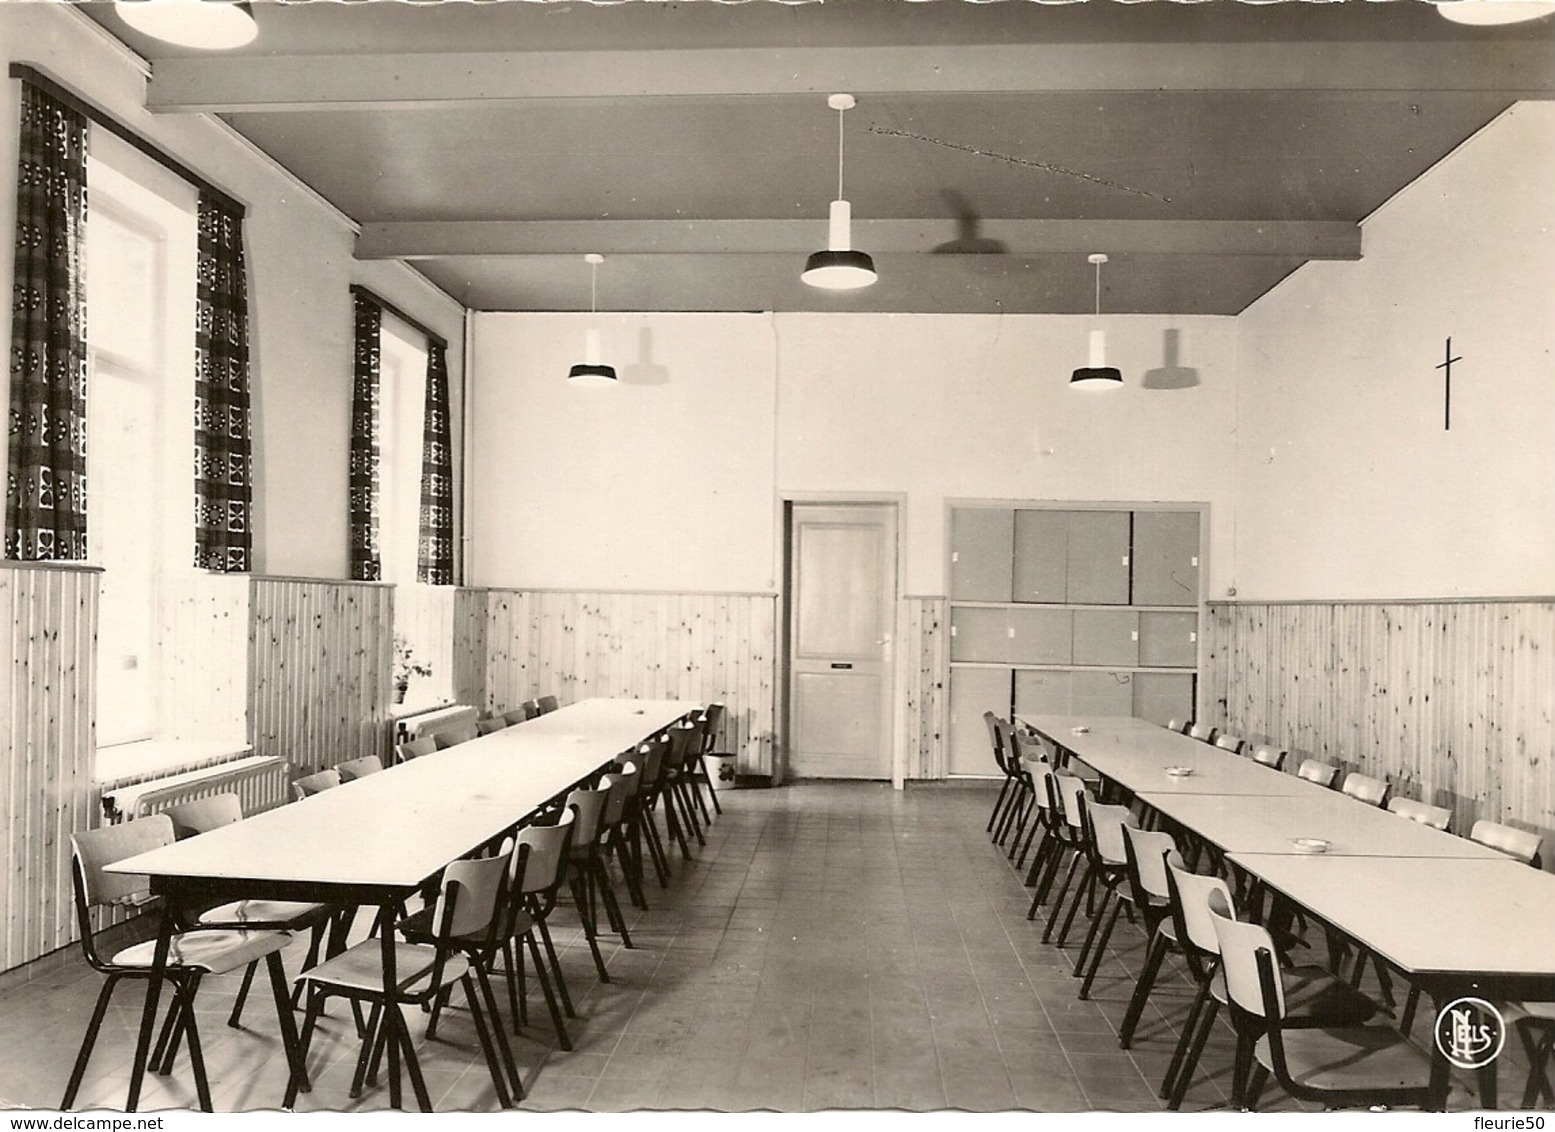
(1136, 754)
(1270, 823)
(1444, 916)
(396, 828)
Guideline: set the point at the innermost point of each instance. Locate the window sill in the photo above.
(416, 705)
(125, 763)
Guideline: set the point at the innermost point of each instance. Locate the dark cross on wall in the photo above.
(1446, 368)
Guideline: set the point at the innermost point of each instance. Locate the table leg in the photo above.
(393, 1020)
(148, 1015)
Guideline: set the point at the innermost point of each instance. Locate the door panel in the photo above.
(980, 553)
(1102, 693)
(1166, 640)
(979, 634)
(1162, 697)
(1040, 636)
(1041, 555)
(1106, 636)
(972, 692)
(1166, 558)
(842, 595)
(1097, 564)
(1043, 693)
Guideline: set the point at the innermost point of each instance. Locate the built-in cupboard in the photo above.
(1089, 610)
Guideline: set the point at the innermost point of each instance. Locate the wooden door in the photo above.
(842, 596)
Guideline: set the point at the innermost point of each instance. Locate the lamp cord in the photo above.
(1098, 290)
(593, 288)
(840, 113)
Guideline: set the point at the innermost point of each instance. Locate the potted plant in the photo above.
(405, 666)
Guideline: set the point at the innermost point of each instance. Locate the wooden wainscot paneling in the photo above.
(47, 669)
(203, 624)
(468, 649)
(703, 647)
(924, 644)
(1451, 702)
(319, 670)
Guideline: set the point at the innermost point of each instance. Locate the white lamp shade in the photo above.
(1486, 13)
(210, 24)
(1098, 374)
(839, 267)
(591, 369)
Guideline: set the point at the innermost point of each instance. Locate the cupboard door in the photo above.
(1043, 693)
(1041, 556)
(1106, 636)
(979, 634)
(1168, 640)
(1102, 693)
(972, 692)
(1166, 558)
(1096, 566)
(1162, 697)
(1040, 636)
(981, 547)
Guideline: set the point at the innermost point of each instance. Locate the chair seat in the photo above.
(216, 952)
(360, 968)
(279, 914)
(1528, 1011)
(1352, 1057)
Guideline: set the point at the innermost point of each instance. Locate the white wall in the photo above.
(300, 272)
(675, 486)
(1350, 486)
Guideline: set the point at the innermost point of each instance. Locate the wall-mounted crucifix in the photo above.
(1446, 368)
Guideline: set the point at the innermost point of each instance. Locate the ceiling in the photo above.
(1209, 149)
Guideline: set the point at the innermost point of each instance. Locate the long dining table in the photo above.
(1456, 917)
(376, 841)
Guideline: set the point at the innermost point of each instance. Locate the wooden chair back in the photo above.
(487, 726)
(352, 769)
(1232, 743)
(311, 784)
(1518, 843)
(1269, 755)
(1319, 772)
(1203, 732)
(201, 815)
(1365, 788)
(453, 736)
(1437, 817)
(415, 748)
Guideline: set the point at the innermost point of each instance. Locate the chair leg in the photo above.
(235, 1019)
(304, 1040)
(998, 804)
(1084, 894)
(501, 1070)
(661, 864)
(286, 1020)
(1257, 1077)
(551, 1003)
(1192, 1051)
(191, 1032)
(1136, 1005)
(88, 1040)
(1058, 900)
(1540, 1051)
(580, 897)
(510, 968)
(712, 791)
(607, 893)
(395, 1022)
(1100, 946)
(1091, 932)
(556, 969)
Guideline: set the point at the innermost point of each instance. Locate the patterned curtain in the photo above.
(365, 563)
(223, 476)
(435, 546)
(45, 496)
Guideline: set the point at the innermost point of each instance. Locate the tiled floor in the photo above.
(832, 946)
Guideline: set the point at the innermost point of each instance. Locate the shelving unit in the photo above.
(1085, 609)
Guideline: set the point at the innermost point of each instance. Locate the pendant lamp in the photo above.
(1097, 374)
(211, 24)
(839, 267)
(1489, 13)
(591, 369)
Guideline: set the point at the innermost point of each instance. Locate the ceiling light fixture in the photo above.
(590, 368)
(1098, 374)
(1487, 13)
(211, 24)
(839, 267)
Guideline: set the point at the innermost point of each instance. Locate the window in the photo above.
(139, 271)
(402, 394)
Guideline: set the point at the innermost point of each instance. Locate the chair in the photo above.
(1105, 867)
(469, 898)
(1535, 1026)
(1009, 787)
(1312, 995)
(1437, 817)
(1203, 732)
(548, 847)
(1364, 788)
(1518, 843)
(678, 779)
(1018, 748)
(415, 748)
(453, 736)
(1233, 743)
(353, 769)
(519, 714)
(204, 814)
(651, 757)
(615, 832)
(1178, 725)
(548, 704)
(1338, 1065)
(1268, 755)
(587, 877)
(193, 954)
(312, 784)
(1064, 791)
(711, 723)
(1147, 852)
(487, 726)
(1319, 772)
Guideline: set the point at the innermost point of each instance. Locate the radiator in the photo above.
(431, 722)
(261, 783)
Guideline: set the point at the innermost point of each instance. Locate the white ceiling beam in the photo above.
(337, 82)
(439, 238)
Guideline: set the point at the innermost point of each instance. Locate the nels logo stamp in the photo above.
(1470, 1032)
